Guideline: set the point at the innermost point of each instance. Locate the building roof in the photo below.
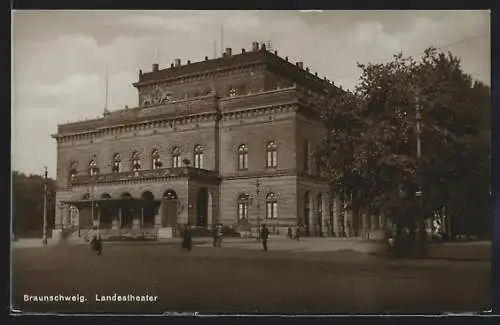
(207, 65)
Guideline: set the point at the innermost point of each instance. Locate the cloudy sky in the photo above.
(60, 57)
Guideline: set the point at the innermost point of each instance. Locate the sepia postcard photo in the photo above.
(251, 162)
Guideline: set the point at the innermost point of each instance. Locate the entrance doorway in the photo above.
(148, 210)
(202, 207)
(128, 211)
(170, 203)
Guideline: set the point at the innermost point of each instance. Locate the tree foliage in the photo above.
(370, 149)
(27, 204)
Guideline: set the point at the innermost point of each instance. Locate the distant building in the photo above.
(226, 140)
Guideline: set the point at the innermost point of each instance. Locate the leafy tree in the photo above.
(370, 150)
(27, 204)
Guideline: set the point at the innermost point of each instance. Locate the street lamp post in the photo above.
(419, 192)
(44, 231)
(257, 192)
(92, 189)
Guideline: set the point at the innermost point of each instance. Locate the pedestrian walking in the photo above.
(220, 234)
(264, 234)
(297, 232)
(95, 240)
(290, 236)
(187, 240)
(215, 235)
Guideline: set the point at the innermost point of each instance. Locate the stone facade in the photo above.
(195, 118)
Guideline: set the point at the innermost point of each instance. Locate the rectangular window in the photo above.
(275, 210)
(242, 211)
(269, 159)
(243, 161)
(176, 161)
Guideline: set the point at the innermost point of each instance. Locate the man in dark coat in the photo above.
(220, 234)
(214, 229)
(186, 238)
(297, 232)
(264, 235)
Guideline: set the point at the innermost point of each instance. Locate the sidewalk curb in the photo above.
(444, 258)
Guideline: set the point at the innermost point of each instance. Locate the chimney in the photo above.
(206, 58)
(155, 67)
(307, 69)
(189, 62)
(315, 74)
(275, 52)
(243, 51)
(263, 47)
(300, 64)
(229, 51)
(140, 72)
(171, 65)
(286, 58)
(177, 62)
(255, 46)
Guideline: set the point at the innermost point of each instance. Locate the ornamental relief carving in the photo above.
(155, 94)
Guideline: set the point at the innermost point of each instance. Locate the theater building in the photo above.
(228, 140)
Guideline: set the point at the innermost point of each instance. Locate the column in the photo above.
(337, 218)
(382, 222)
(374, 222)
(365, 226)
(136, 221)
(348, 221)
(120, 223)
(116, 219)
(142, 217)
(97, 217)
(209, 211)
(158, 214)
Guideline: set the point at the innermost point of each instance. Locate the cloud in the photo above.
(173, 23)
(72, 85)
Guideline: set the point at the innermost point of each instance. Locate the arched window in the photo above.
(271, 206)
(306, 156)
(243, 203)
(155, 159)
(93, 170)
(176, 157)
(117, 163)
(136, 161)
(272, 155)
(242, 157)
(198, 156)
(73, 170)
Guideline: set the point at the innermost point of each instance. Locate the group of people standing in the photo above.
(218, 234)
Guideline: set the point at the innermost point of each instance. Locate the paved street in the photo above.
(245, 280)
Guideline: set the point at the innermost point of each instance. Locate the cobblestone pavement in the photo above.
(474, 250)
(245, 280)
